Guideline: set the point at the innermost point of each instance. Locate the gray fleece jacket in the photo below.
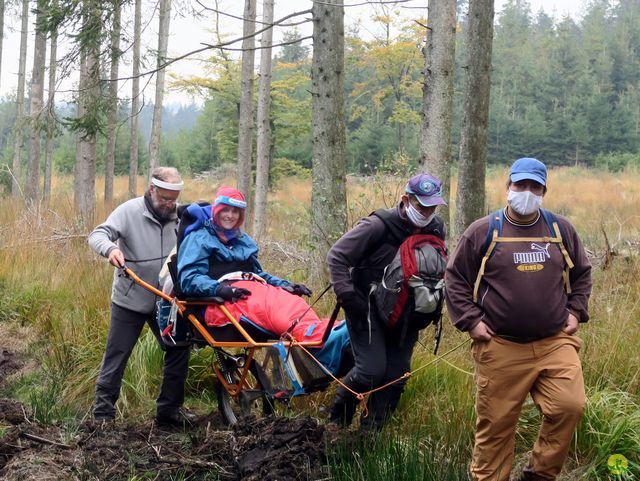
(145, 243)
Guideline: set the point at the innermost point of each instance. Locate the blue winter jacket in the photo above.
(199, 245)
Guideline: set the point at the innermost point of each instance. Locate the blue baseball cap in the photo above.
(528, 168)
(427, 189)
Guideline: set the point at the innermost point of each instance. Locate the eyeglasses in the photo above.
(165, 199)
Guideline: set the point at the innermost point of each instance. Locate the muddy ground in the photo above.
(268, 449)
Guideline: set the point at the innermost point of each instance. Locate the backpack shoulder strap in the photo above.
(558, 231)
(496, 219)
(382, 241)
(389, 227)
(494, 233)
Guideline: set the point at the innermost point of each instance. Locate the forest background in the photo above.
(563, 90)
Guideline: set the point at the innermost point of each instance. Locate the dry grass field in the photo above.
(54, 292)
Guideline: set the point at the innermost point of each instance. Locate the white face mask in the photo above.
(416, 217)
(525, 202)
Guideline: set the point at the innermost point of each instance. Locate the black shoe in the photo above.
(102, 423)
(181, 418)
(102, 418)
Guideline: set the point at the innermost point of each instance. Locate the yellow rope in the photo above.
(363, 395)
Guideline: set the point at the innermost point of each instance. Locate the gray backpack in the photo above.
(411, 290)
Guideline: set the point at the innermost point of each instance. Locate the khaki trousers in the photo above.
(549, 370)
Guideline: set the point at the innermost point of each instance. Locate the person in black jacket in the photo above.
(357, 260)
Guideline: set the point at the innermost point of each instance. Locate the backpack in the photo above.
(175, 330)
(494, 236)
(413, 283)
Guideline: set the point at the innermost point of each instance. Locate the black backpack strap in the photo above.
(390, 229)
(172, 266)
(383, 239)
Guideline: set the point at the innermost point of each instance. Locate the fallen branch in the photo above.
(24, 414)
(38, 439)
(609, 253)
(49, 239)
(188, 461)
(286, 251)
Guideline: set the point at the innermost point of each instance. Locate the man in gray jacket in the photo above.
(140, 232)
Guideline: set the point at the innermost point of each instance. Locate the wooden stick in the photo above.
(38, 439)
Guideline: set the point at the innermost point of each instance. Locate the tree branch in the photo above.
(221, 46)
(237, 17)
(209, 47)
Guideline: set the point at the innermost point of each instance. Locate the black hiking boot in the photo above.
(180, 418)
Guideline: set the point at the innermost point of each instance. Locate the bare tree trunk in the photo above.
(51, 103)
(17, 131)
(470, 199)
(328, 197)
(35, 106)
(2, 2)
(135, 100)
(245, 121)
(112, 119)
(84, 188)
(263, 148)
(437, 106)
(163, 41)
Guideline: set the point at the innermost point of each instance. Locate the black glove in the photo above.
(232, 294)
(298, 289)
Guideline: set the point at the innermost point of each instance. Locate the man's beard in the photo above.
(163, 211)
(159, 211)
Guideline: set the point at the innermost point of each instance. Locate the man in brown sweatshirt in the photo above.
(519, 284)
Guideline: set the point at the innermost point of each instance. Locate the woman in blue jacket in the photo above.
(215, 245)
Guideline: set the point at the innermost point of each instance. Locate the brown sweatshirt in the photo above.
(522, 293)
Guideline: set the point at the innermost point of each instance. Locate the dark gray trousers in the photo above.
(124, 332)
(378, 360)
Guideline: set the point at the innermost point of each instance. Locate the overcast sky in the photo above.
(187, 34)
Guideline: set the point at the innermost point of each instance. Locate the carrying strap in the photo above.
(494, 237)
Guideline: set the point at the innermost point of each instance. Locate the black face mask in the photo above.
(161, 215)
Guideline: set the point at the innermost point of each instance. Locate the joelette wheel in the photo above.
(252, 398)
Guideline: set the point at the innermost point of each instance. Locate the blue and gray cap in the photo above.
(427, 189)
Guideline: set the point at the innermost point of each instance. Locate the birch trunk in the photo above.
(328, 197)
(437, 107)
(470, 198)
(17, 131)
(263, 147)
(51, 102)
(2, 2)
(88, 101)
(156, 128)
(35, 106)
(112, 116)
(245, 120)
(135, 100)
